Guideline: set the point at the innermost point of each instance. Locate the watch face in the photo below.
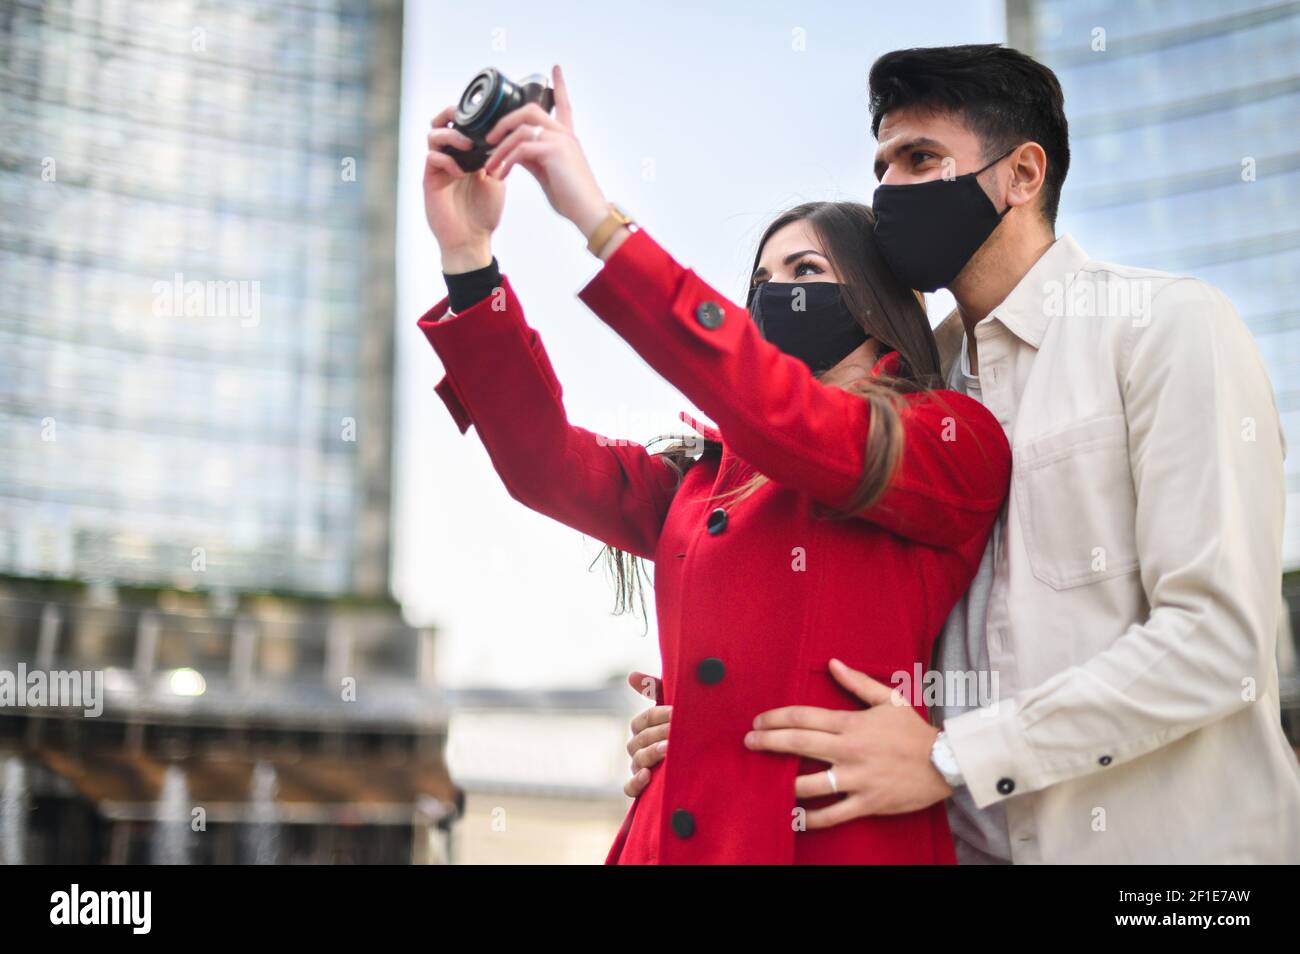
(942, 758)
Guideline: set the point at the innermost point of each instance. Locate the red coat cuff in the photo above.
(445, 388)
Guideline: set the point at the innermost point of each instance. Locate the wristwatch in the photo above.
(941, 758)
(615, 219)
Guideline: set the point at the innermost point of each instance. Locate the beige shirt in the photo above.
(1134, 609)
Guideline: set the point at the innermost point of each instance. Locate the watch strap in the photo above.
(613, 221)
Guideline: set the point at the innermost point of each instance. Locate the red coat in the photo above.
(753, 598)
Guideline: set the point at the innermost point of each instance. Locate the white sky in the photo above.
(703, 124)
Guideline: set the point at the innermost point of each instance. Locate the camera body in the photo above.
(487, 98)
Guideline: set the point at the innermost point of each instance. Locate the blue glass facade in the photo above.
(184, 259)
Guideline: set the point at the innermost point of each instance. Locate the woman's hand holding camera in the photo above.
(463, 208)
(546, 147)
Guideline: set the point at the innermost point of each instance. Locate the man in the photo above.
(1127, 607)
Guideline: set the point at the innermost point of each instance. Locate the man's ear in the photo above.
(1028, 168)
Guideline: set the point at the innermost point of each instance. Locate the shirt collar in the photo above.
(1023, 310)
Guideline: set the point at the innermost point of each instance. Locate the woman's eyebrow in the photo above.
(795, 256)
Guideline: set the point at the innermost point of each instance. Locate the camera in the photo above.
(487, 98)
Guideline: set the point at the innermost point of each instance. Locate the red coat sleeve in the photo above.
(499, 378)
(956, 462)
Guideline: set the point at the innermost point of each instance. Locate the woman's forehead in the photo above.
(793, 237)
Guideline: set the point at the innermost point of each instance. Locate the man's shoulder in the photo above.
(1167, 287)
(1127, 298)
(1097, 266)
(1152, 316)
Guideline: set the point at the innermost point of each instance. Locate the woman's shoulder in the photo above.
(951, 416)
(958, 403)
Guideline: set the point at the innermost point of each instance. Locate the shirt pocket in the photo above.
(1077, 507)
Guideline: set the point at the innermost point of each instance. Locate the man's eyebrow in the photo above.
(920, 142)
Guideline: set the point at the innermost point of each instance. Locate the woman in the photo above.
(837, 511)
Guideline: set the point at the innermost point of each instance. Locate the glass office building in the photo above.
(1185, 156)
(196, 336)
(196, 262)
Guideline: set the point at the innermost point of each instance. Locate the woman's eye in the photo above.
(812, 269)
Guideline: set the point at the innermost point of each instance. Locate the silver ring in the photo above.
(537, 132)
(830, 777)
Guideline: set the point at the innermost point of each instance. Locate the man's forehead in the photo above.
(924, 126)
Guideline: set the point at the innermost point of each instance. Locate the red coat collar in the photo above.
(890, 364)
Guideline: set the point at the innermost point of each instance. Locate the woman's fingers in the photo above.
(444, 117)
(563, 106)
(525, 152)
(437, 161)
(527, 115)
(503, 149)
(446, 136)
(440, 135)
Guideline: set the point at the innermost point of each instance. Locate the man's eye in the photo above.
(920, 157)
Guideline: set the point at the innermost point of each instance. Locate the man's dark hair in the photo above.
(1002, 95)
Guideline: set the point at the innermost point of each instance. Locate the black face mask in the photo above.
(806, 320)
(928, 231)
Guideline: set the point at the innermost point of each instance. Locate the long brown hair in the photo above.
(888, 311)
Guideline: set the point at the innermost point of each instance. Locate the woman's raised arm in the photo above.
(499, 379)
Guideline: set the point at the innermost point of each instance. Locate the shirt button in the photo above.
(709, 314)
(711, 671)
(717, 521)
(683, 823)
(1104, 760)
(1006, 786)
